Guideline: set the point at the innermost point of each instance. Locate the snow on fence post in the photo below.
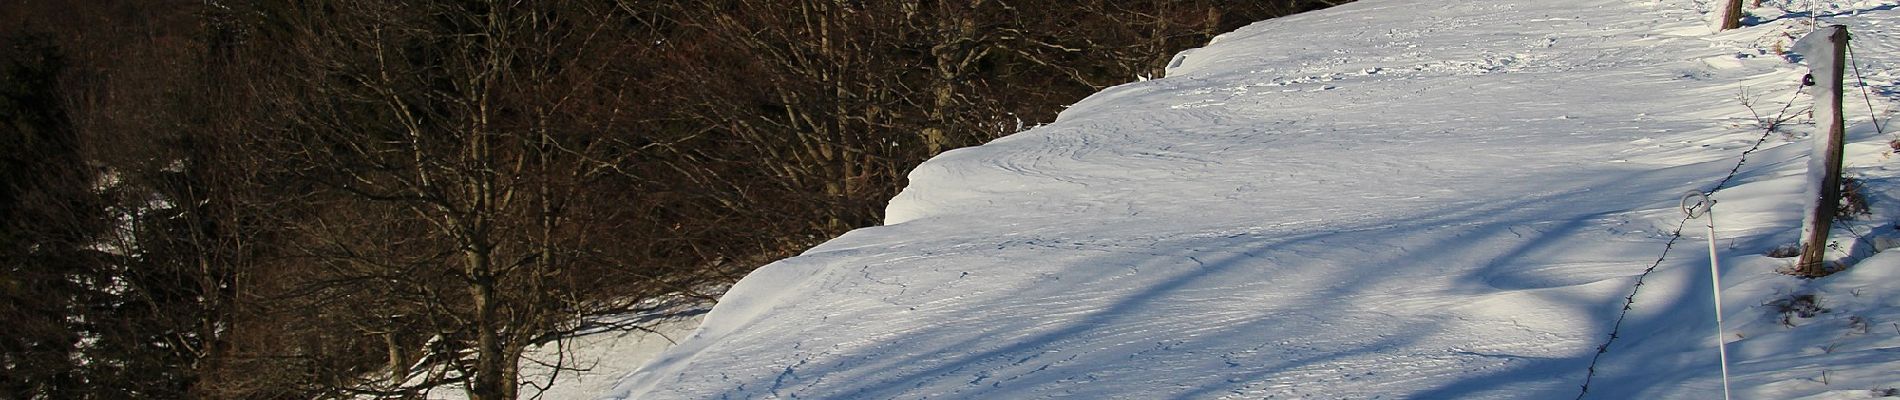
(1731, 13)
(1825, 49)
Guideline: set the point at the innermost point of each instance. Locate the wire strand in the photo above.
(1864, 89)
(1629, 301)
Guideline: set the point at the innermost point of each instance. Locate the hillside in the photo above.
(1387, 199)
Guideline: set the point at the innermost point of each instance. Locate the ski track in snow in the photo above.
(1389, 199)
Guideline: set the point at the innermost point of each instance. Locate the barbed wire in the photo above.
(1872, 117)
(1864, 89)
(1629, 301)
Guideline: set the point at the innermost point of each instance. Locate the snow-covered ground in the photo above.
(595, 361)
(591, 363)
(1388, 199)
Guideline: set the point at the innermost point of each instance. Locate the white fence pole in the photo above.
(1695, 204)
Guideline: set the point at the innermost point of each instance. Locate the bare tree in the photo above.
(460, 161)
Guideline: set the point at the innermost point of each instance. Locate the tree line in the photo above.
(256, 199)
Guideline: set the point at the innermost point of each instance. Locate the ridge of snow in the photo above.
(1386, 199)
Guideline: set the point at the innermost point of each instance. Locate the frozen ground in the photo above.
(1389, 199)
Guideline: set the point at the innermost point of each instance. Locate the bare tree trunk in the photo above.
(1210, 25)
(488, 382)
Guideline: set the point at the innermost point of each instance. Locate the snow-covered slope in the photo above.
(1388, 199)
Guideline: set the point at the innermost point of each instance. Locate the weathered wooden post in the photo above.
(1732, 14)
(1825, 49)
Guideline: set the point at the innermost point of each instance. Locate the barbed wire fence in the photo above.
(1770, 126)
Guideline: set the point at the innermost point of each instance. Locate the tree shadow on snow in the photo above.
(1290, 336)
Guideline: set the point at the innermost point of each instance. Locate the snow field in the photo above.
(1388, 199)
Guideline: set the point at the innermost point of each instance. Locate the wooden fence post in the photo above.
(1732, 14)
(1825, 50)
